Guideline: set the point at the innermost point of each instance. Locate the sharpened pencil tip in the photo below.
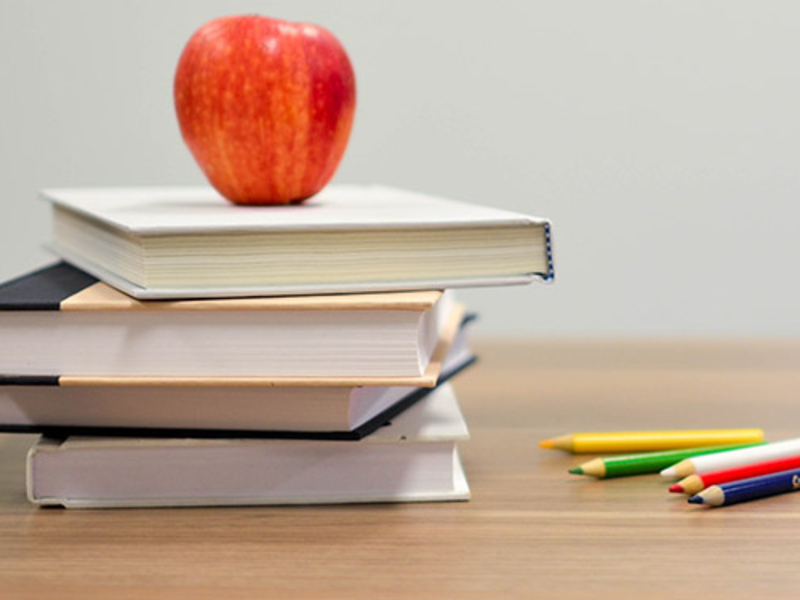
(576, 471)
(669, 473)
(547, 444)
(696, 499)
(676, 489)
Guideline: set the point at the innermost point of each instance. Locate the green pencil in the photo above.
(647, 462)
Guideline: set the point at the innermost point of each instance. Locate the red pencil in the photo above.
(700, 481)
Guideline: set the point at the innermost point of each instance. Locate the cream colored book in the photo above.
(414, 459)
(188, 242)
(60, 321)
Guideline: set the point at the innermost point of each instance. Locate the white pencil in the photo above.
(732, 458)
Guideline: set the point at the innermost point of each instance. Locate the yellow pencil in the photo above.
(650, 441)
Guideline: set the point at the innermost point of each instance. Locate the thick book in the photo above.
(48, 406)
(188, 242)
(61, 321)
(414, 458)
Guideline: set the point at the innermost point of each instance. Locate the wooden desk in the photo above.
(531, 530)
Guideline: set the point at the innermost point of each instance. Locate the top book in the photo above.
(188, 242)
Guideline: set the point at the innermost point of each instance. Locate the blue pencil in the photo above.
(753, 488)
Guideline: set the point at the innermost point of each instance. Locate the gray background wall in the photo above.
(663, 138)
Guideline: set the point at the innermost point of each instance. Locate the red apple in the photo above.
(265, 106)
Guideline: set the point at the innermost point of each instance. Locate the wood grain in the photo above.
(530, 531)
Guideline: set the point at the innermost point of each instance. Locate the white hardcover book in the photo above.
(415, 458)
(61, 321)
(184, 242)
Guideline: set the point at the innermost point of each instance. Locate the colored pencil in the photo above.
(733, 458)
(745, 490)
(647, 462)
(651, 441)
(699, 481)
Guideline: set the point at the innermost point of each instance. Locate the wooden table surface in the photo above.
(531, 530)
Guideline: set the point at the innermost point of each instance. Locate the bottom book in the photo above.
(412, 459)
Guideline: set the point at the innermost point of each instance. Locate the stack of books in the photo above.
(192, 352)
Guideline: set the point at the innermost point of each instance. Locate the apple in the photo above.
(265, 106)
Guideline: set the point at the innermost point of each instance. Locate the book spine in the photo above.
(548, 245)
